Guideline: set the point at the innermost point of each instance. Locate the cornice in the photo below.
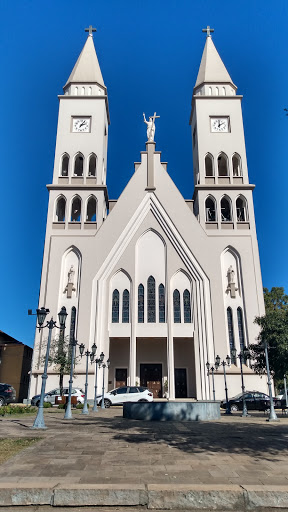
(102, 97)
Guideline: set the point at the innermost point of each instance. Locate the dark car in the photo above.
(7, 394)
(255, 401)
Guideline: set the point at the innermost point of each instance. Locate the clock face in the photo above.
(81, 124)
(219, 124)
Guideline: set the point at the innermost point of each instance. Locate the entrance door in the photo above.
(120, 377)
(151, 377)
(180, 383)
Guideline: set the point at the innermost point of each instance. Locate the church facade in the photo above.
(161, 284)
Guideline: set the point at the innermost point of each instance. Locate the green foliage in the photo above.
(16, 409)
(60, 357)
(273, 330)
(46, 405)
(80, 406)
(61, 406)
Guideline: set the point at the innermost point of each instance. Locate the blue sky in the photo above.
(149, 53)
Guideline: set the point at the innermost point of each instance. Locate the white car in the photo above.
(126, 394)
(50, 396)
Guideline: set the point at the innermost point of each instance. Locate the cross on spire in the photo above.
(90, 30)
(208, 30)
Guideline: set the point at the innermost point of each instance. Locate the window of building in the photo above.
(76, 209)
(222, 165)
(210, 208)
(217, 91)
(236, 165)
(225, 210)
(91, 210)
(115, 307)
(78, 166)
(60, 209)
(72, 323)
(161, 303)
(231, 334)
(223, 91)
(241, 328)
(92, 165)
(151, 303)
(176, 307)
(241, 209)
(125, 307)
(65, 165)
(210, 91)
(209, 171)
(141, 304)
(187, 307)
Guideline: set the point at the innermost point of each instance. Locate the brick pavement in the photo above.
(104, 449)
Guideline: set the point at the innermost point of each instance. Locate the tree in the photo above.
(60, 357)
(274, 330)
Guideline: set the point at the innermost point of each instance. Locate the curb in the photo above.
(151, 496)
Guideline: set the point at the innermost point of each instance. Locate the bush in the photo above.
(61, 406)
(16, 409)
(80, 406)
(46, 405)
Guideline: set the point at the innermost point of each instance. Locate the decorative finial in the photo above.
(90, 30)
(208, 30)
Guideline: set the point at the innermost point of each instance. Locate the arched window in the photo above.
(210, 91)
(76, 91)
(210, 208)
(82, 91)
(151, 304)
(161, 303)
(92, 165)
(241, 209)
(225, 210)
(241, 329)
(91, 210)
(216, 91)
(115, 307)
(125, 307)
(141, 304)
(176, 307)
(187, 307)
(209, 171)
(78, 165)
(236, 165)
(231, 334)
(60, 209)
(222, 165)
(65, 165)
(223, 91)
(72, 324)
(76, 209)
(89, 91)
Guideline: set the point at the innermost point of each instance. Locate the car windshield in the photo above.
(237, 396)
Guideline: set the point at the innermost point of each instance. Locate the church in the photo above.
(161, 284)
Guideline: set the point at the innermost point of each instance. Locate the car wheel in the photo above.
(142, 400)
(234, 408)
(37, 403)
(107, 403)
(2, 401)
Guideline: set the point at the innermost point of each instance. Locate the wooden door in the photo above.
(120, 377)
(180, 383)
(151, 377)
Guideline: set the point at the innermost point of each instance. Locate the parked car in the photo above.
(255, 401)
(50, 396)
(126, 394)
(7, 394)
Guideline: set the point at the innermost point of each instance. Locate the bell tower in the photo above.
(222, 195)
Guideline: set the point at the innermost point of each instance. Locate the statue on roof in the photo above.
(150, 126)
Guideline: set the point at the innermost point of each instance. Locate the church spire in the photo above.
(212, 69)
(87, 69)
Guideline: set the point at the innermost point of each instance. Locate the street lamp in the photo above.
(285, 390)
(211, 369)
(243, 356)
(88, 355)
(41, 316)
(103, 365)
(223, 363)
(272, 413)
(97, 363)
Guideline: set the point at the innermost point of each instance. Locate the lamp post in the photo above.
(223, 363)
(285, 390)
(41, 315)
(272, 413)
(243, 356)
(211, 369)
(98, 363)
(103, 365)
(91, 355)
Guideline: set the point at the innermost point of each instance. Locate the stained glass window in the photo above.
(141, 304)
(161, 303)
(115, 307)
(187, 307)
(240, 329)
(231, 334)
(176, 305)
(125, 307)
(151, 305)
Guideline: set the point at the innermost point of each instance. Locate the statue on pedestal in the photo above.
(231, 282)
(150, 126)
(70, 284)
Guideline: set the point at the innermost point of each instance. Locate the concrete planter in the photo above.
(204, 410)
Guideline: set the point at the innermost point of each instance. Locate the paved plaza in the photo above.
(107, 452)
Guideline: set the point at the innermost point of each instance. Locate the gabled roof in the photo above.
(212, 68)
(87, 67)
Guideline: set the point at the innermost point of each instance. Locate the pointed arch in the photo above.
(176, 307)
(65, 164)
(151, 300)
(141, 304)
(241, 328)
(91, 209)
(76, 205)
(115, 307)
(125, 307)
(236, 165)
(231, 334)
(241, 209)
(92, 165)
(210, 209)
(60, 210)
(78, 164)
(161, 297)
(72, 257)
(222, 163)
(209, 165)
(187, 306)
(226, 209)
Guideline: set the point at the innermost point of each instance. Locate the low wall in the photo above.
(172, 411)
